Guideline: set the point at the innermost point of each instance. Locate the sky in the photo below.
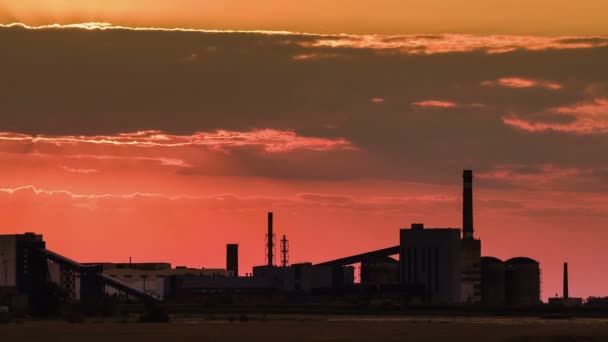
(163, 132)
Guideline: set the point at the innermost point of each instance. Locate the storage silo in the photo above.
(380, 271)
(522, 281)
(492, 281)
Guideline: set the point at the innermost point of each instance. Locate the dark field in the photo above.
(315, 329)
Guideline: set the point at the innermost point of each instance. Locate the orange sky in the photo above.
(547, 17)
(109, 198)
(164, 145)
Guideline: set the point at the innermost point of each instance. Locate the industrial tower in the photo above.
(471, 247)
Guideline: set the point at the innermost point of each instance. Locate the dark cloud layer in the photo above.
(67, 82)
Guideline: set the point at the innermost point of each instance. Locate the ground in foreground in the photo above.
(316, 329)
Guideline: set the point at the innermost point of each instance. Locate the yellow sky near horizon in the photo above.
(542, 17)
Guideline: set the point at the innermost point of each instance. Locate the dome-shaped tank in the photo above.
(380, 271)
(522, 281)
(492, 281)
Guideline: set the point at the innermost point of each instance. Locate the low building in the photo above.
(202, 289)
(23, 269)
(149, 277)
(304, 277)
(566, 302)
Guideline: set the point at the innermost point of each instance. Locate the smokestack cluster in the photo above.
(270, 243)
(467, 204)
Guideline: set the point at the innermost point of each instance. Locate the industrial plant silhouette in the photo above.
(435, 266)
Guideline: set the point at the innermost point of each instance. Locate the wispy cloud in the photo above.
(104, 26)
(581, 118)
(400, 44)
(65, 193)
(270, 140)
(313, 56)
(453, 43)
(435, 104)
(81, 171)
(519, 82)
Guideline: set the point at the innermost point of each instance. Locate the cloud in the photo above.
(133, 81)
(327, 199)
(518, 82)
(456, 43)
(547, 177)
(270, 140)
(401, 44)
(82, 171)
(91, 201)
(435, 104)
(162, 160)
(104, 26)
(313, 56)
(581, 118)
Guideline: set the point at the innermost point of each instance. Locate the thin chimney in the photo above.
(566, 294)
(467, 204)
(232, 258)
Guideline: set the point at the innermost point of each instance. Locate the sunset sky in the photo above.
(164, 129)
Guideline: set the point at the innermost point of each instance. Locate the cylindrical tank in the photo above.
(522, 281)
(381, 271)
(492, 281)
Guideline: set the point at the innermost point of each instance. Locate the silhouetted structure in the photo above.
(380, 271)
(435, 266)
(471, 247)
(270, 242)
(566, 294)
(522, 282)
(492, 281)
(566, 300)
(232, 258)
(431, 259)
(284, 251)
(26, 277)
(363, 257)
(467, 204)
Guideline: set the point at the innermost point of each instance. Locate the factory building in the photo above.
(149, 277)
(431, 259)
(184, 288)
(435, 266)
(22, 269)
(305, 277)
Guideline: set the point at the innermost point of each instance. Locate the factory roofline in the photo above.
(492, 259)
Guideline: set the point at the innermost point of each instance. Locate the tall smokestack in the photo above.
(270, 243)
(566, 295)
(467, 204)
(232, 258)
